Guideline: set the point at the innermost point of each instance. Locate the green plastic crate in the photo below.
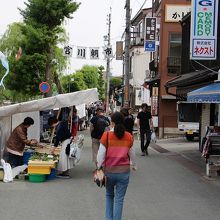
(37, 178)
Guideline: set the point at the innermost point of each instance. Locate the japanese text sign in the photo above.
(204, 19)
(108, 53)
(150, 33)
(81, 52)
(94, 53)
(175, 12)
(68, 50)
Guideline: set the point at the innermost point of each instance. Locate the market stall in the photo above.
(12, 115)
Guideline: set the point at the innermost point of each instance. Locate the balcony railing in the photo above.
(174, 65)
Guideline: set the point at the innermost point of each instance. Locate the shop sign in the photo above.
(175, 13)
(150, 46)
(154, 101)
(204, 23)
(150, 30)
(119, 50)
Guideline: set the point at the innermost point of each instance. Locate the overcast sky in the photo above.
(87, 28)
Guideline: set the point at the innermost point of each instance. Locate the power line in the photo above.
(205, 67)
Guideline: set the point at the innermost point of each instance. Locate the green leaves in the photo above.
(85, 78)
(38, 36)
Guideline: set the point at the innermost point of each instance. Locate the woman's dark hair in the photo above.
(28, 121)
(124, 111)
(119, 128)
(52, 120)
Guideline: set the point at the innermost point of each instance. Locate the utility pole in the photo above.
(108, 62)
(127, 55)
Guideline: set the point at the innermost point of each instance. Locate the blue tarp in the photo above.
(207, 94)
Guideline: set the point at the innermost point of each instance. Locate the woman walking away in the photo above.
(116, 154)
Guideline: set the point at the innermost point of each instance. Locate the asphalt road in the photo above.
(161, 189)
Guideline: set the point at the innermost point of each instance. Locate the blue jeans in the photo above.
(116, 187)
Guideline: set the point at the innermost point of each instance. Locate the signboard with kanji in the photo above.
(119, 50)
(81, 52)
(94, 53)
(175, 12)
(204, 23)
(150, 30)
(154, 101)
(67, 50)
(108, 53)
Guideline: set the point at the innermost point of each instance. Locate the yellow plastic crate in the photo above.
(39, 169)
(51, 163)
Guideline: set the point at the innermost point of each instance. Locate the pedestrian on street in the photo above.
(145, 128)
(128, 121)
(98, 124)
(116, 154)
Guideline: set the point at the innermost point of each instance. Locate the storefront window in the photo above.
(174, 54)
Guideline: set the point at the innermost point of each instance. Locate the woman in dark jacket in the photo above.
(62, 137)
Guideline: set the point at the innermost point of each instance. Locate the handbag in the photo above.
(74, 148)
(153, 137)
(98, 175)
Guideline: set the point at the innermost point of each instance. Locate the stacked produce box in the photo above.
(40, 165)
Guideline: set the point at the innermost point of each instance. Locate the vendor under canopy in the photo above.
(17, 141)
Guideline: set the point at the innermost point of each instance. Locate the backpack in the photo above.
(101, 126)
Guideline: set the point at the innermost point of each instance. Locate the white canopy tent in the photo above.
(58, 101)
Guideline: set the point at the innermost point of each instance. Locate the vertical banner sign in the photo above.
(154, 101)
(150, 34)
(204, 23)
(119, 50)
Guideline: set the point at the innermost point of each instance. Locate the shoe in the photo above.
(146, 152)
(64, 176)
(142, 154)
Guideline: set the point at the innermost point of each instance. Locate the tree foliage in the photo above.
(50, 13)
(39, 37)
(85, 78)
(116, 82)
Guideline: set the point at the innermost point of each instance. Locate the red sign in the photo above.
(44, 87)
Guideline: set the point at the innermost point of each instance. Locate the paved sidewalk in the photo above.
(185, 153)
